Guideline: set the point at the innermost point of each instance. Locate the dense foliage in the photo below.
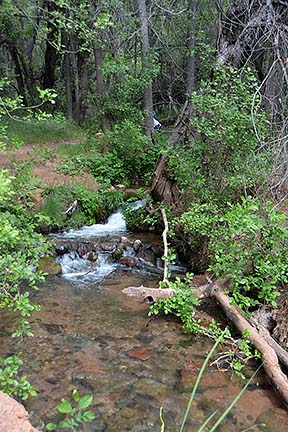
(20, 250)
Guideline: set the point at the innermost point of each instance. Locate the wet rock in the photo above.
(49, 265)
(82, 249)
(139, 353)
(145, 336)
(125, 241)
(92, 256)
(117, 254)
(137, 245)
(53, 329)
(13, 416)
(150, 387)
(107, 247)
(128, 261)
(61, 249)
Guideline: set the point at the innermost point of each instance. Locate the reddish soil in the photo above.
(45, 170)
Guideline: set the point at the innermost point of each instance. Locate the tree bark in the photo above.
(51, 52)
(190, 68)
(148, 95)
(75, 71)
(18, 72)
(101, 87)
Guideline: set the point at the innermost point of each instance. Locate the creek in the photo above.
(89, 335)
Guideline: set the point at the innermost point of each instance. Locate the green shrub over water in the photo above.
(20, 250)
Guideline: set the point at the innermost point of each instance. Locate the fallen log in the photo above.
(269, 358)
(151, 294)
(267, 346)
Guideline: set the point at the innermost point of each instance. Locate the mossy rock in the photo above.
(49, 265)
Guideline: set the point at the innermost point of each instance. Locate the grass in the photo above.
(21, 132)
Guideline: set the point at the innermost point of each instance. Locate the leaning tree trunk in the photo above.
(148, 95)
(164, 187)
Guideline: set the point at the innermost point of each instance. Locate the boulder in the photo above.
(13, 416)
(49, 265)
(137, 245)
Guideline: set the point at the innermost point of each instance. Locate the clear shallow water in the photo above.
(102, 342)
(93, 337)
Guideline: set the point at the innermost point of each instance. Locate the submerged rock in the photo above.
(128, 261)
(139, 353)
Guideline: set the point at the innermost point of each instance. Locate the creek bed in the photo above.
(103, 343)
(93, 337)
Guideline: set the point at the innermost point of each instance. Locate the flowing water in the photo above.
(89, 335)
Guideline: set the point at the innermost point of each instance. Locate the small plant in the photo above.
(10, 382)
(182, 304)
(75, 412)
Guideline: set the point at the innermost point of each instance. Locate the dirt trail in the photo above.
(44, 168)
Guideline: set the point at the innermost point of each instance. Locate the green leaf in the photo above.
(75, 395)
(65, 407)
(51, 426)
(88, 416)
(85, 401)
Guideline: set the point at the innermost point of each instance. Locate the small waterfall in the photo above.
(115, 225)
(77, 268)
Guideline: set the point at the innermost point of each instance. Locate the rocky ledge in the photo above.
(13, 416)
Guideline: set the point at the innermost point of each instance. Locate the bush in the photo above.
(247, 241)
(224, 161)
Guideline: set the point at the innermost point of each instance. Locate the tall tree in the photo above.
(51, 51)
(148, 95)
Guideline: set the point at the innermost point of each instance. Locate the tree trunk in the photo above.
(75, 71)
(190, 68)
(18, 72)
(148, 95)
(51, 52)
(67, 75)
(101, 87)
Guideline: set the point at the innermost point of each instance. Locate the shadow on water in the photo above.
(93, 337)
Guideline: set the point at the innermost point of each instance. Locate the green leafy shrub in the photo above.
(20, 251)
(252, 248)
(9, 378)
(224, 161)
(182, 304)
(131, 158)
(133, 148)
(247, 241)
